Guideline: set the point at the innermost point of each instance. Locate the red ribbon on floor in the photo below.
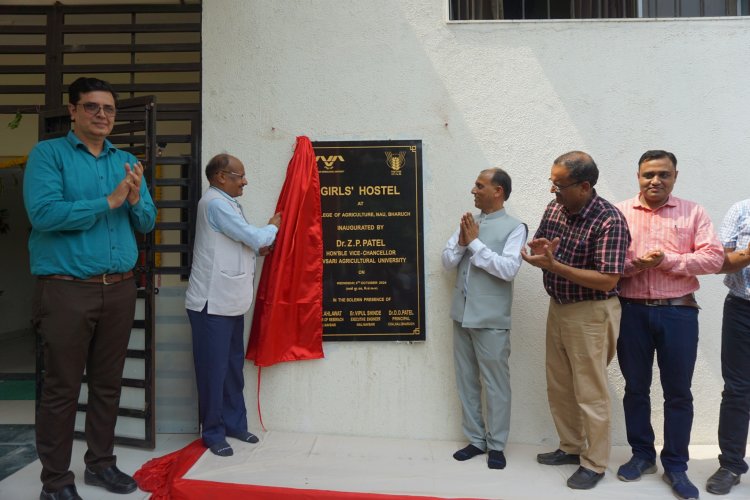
(163, 478)
(158, 474)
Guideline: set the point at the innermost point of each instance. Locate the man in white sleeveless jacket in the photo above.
(219, 293)
(486, 249)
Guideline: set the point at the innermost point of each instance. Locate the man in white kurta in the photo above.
(219, 293)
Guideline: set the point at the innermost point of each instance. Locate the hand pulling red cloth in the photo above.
(288, 318)
(287, 322)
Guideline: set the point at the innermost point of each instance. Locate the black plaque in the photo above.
(373, 256)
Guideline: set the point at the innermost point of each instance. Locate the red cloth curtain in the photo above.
(288, 318)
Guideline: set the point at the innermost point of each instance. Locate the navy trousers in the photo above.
(671, 332)
(735, 369)
(219, 355)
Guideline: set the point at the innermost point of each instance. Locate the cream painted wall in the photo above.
(514, 94)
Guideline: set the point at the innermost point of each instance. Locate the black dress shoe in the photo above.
(65, 493)
(110, 478)
(721, 482)
(558, 457)
(584, 479)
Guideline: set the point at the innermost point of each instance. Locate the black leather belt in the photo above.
(104, 279)
(686, 300)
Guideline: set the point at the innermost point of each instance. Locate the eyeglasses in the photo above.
(241, 176)
(93, 108)
(556, 188)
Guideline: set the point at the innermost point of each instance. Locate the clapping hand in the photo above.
(652, 258)
(127, 189)
(542, 253)
(133, 177)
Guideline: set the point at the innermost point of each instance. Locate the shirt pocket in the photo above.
(680, 239)
(82, 181)
(231, 261)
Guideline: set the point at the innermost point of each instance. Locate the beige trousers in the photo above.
(581, 341)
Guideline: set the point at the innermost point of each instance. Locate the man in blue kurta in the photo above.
(84, 198)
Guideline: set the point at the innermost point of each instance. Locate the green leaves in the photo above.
(16, 121)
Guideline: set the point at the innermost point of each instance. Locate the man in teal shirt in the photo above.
(84, 198)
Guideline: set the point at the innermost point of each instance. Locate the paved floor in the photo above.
(375, 465)
(17, 448)
(25, 484)
(420, 467)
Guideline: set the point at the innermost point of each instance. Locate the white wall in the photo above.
(513, 94)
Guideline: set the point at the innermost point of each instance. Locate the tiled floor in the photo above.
(426, 468)
(25, 483)
(295, 465)
(17, 359)
(351, 464)
(16, 448)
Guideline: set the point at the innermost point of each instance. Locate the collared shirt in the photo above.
(683, 231)
(74, 232)
(223, 219)
(595, 238)
(735, 233)
(503, 266)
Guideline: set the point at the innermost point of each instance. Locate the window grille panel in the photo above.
(465, 10)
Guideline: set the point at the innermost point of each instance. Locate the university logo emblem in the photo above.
(329, 161)
(395, 162)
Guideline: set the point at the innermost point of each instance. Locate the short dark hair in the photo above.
(580, 165)
(500, 178)
(657, 154)
(216, 164)
(87, 84)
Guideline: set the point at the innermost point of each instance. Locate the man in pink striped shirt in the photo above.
(673, 241)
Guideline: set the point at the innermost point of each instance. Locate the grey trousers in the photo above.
(481, 360)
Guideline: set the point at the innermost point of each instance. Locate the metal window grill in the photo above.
(591, 9)
(147, 52)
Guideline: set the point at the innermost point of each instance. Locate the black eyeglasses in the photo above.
(241, 176)
(556, 188)
(92, 108)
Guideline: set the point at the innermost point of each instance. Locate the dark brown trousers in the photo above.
(82, 325)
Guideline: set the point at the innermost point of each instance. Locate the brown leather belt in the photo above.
(686, 300)
(104, 279)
